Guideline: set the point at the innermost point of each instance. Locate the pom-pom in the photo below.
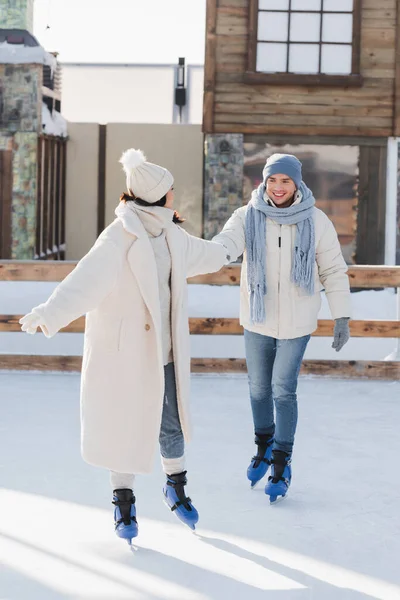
(132, 159)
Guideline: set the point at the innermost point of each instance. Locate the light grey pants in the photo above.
(172, 445)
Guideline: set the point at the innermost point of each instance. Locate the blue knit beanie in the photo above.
(287, 164)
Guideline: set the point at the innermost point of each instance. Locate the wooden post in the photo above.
(396, 111)
(371, 214)
(209, 67)
(39, 198)
(101, 187)
(6, 183)
(46, 181)
(63, 198)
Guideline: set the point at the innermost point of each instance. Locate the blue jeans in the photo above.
(171, 439)
(273, 368)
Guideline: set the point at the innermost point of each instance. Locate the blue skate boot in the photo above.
(281, 476)
(126, 526)
(178, 502)
(261, 461)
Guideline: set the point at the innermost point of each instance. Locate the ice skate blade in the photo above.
(191, 526)
(276, 499)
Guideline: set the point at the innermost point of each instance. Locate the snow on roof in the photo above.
(18, 54)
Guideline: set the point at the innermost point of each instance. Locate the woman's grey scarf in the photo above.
(303, 260)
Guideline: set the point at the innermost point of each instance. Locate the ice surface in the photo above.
(336, 537)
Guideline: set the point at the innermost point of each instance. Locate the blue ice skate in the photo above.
(178, 502)
(281, 476)
(126, 526)
(260, 463)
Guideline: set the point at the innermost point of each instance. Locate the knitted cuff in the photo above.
(121, 481)
(173, 466)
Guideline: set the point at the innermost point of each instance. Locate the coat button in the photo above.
(147, 327)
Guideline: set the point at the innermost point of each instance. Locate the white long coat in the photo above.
(290, 311)
(122, 384)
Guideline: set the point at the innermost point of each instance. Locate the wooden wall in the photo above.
(236, 107)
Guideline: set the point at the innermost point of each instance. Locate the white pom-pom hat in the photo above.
(147, 181)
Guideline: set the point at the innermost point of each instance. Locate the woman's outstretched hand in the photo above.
(30, 323)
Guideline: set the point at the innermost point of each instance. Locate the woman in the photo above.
(291, 253)
(136, 362)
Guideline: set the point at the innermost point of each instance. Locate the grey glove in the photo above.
(341, 334)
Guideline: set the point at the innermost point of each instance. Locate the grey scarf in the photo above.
(303, 260)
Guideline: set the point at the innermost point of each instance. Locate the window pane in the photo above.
(338, 5)
(271, 58)
(336, 60)
(273, 4)
(306, 5)
(337, 28)
(304, 58)
(305, 27)
(272, 27)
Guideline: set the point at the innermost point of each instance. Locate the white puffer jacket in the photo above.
(290, 312)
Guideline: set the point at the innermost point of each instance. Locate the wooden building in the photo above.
(318, 78)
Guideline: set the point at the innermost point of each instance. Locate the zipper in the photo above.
(279, 277)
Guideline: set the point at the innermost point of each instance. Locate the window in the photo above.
(305, 41)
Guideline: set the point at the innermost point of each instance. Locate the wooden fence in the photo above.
(360, 277)
(50, 207)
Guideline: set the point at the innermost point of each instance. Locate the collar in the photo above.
(153, 219)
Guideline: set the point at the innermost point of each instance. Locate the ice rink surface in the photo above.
(336, 537)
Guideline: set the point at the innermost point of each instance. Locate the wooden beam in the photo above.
(37, 362)
(361, 276)
(331, 368)
(231, 326)
(305, 132)
(374, 276)
(396, 94)
(51, 93)
(341, 81)
(229, 275)
(218, 365)
(215, 326)
(356, 44)
(35, 270)
(366, 329)
(353, 369)
(252, 39)
(210, 66)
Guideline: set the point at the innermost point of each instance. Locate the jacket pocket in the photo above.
(104, 334)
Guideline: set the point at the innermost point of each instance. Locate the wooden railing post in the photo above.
(395, 355)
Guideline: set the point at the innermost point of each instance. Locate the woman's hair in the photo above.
(131, 198)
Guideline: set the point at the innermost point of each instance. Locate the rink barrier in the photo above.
(361, 277)
(358, 369)
(231, 326)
